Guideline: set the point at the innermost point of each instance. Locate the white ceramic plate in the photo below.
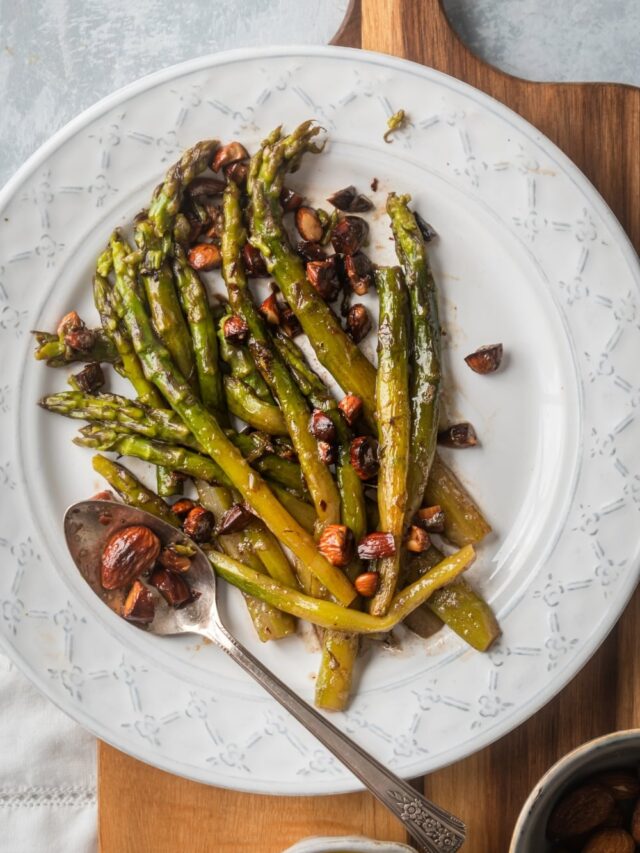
(528, 255)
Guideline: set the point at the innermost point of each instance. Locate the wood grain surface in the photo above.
(143, 810)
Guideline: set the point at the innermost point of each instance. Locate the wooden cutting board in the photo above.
(143, 810)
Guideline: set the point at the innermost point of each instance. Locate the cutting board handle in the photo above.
(430, 39)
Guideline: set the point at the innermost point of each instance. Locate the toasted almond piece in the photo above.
(270, 310)
(376, 545)
(227, 154)
(139, 605)
(426, 229)
(458, 435)
(71, 322)
(129, 553)
(580, 811)
(199, 524)
(308, 224)
(172, 587)
(418, 540)
(367, 584)
(91, 378)
(431, 518)
(254, 264)
(322, 275)
(183, 507)
(623, 784)
(235, 519)
(349, 234)
(235, 329)
(204, 256)
(237, 172)
(359, 271)
(321, 426)
(311, 251)
(358, 322)
(336, 544)
(205, 186)
(610, 841)
(174, 562)
(289, 324)
(363, 455)
(485, 359)
(351, 407)
(290, 200)
(327, 452)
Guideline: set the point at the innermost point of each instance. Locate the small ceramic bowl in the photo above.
(350, 844)
(621, 749)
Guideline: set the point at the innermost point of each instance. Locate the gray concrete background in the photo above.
(59, 56)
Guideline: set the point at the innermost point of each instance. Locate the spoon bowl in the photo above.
(88, 525)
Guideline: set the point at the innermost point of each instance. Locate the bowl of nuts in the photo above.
(588, 802)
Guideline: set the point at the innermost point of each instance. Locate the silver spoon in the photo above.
(88, 525)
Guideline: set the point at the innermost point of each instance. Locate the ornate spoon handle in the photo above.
(434, 829)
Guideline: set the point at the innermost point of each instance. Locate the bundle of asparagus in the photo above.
(324, 510)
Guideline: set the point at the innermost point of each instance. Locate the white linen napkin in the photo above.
(47, 773)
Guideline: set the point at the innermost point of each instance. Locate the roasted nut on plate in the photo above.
(172, 587)
(376, 545)
(322, 275)
(358, 322)
(486, 359)
(237, 172)
(227, 154)
(349, 200)
(254, 263)
(351, 408)
(289, 323)
(308, 224)
(417, 540)
(170, 559)
(71, 322)
(336, 544)
(431, 518)
(349, 234)
(363, 455)
(311, 251)
(183, 507)
(139, 605)
(270, 310)
(359, 271)
(235, 329)
(235, 519)
(428, 231)
(290, 200)
(91, 378)
(202, 187)
(367, 584)
(458, 435)
(321, 426)
(199, 524)
(129, 553)
(204, 256)
(580, 811)
(75, 333)
(327, 452)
